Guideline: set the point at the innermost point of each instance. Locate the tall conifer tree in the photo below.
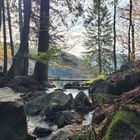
(99, 34)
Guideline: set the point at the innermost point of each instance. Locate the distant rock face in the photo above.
(12, 116)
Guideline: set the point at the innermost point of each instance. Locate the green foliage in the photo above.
(87, 65)
(99, 38)
(45, 57)
(99, 77)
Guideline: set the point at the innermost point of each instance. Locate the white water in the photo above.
(74, 92)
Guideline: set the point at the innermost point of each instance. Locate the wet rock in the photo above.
(68, 86)
(74, 85)
(137, 136)
(95, 85)
(99, 118)
(67, 117)
(13, 124)
(49, 85)
(32, 137)
(86, 134)
(32, 95)
(58, 102)
(41, 132)
(82, 103)
(61, 134)
(48, 104)
(60, 90)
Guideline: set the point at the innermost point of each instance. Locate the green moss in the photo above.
(125, 122)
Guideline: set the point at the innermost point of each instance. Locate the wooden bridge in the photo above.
(67, 79)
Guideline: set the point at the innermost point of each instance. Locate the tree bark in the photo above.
(129, 45)
(99, 44)
(40, 72)
(20, 61)
(129, 32)
(133, 42)
(0, 15)
(20, 3)
(10, 29)
(114, 28)
(4, 38)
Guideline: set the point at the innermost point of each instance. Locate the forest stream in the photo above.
(34, 121)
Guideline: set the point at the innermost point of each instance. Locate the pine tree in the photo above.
(99, 34)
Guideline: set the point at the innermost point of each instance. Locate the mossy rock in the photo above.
(124, 126)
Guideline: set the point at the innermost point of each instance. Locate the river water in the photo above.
(37, 120)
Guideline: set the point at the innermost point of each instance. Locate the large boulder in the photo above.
(97, 86)
(24, 84)
(82, 103)
(113, 86)
(48, 104)
(32, 95)
(13, 124)
(124, 126)
(58, 101)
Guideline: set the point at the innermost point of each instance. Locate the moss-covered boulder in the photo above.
(124, 126)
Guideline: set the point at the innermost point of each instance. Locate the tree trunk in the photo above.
(129, 32)
(4, 38)
(10, 29)
(129, 45)
(0, 16)
(40, 72)
(99, 44)
(20, 2)
(114, 28)
(20, 61)
(132, 31)
(133, 42)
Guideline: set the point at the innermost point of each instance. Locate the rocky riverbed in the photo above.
(40, 122)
